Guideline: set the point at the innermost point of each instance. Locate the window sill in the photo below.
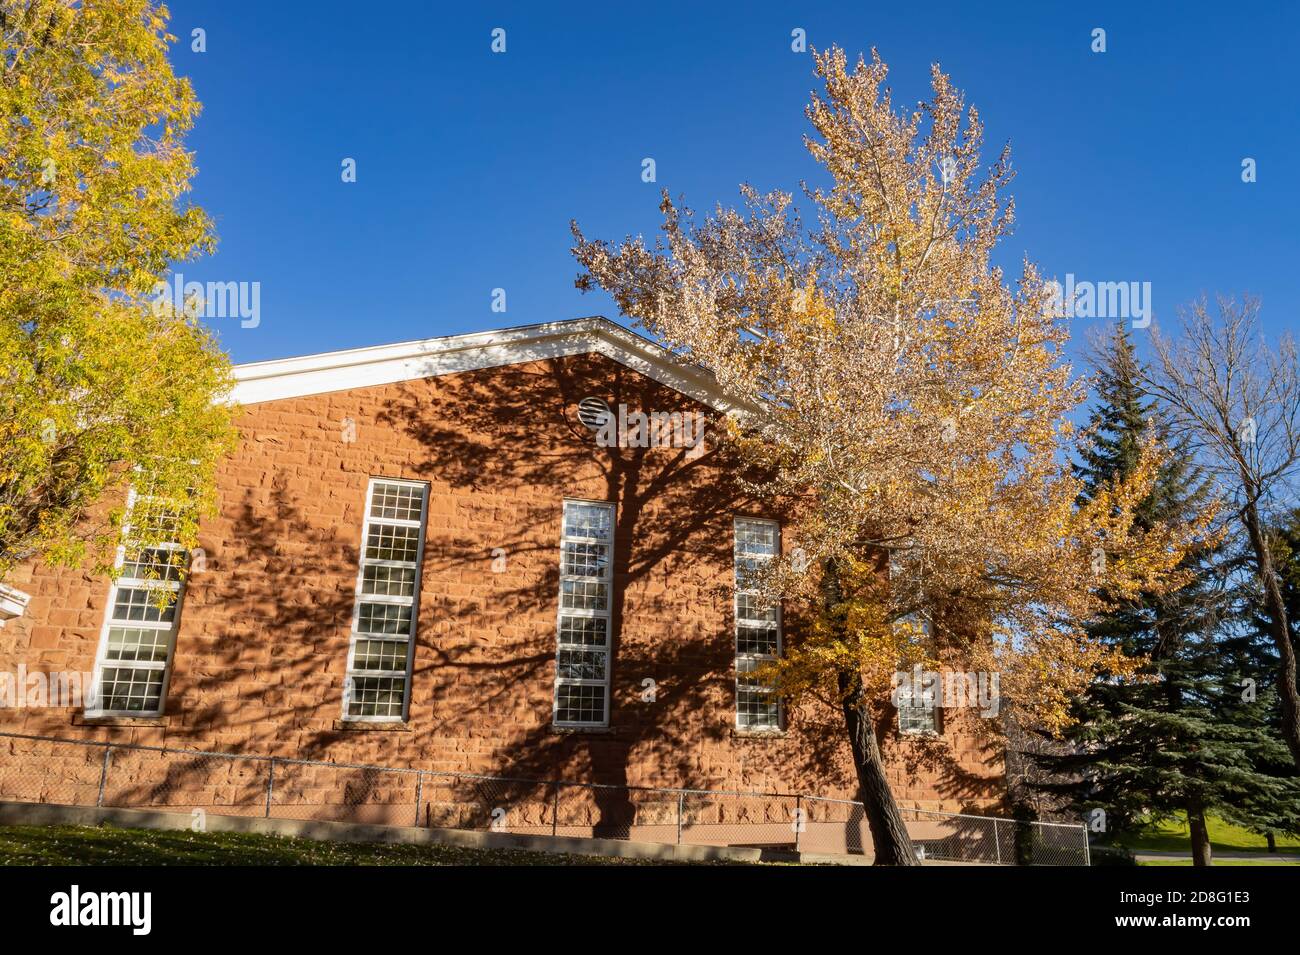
(581, 730)
(93, 719)
(737, 733)
(365, 726)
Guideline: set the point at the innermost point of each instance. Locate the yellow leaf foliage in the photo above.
(908, 402)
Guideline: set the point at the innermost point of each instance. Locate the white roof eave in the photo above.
(282, 378)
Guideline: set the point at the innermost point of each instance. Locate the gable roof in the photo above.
(406, 361)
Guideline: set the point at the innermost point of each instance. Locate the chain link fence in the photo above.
(839, 826)
(47, 769)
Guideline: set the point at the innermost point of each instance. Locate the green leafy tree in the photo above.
(97, 380)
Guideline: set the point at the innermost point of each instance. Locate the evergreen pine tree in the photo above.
(1178, 738)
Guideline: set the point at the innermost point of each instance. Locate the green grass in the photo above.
(1173, 835)
(106, 845)
(1219, 862)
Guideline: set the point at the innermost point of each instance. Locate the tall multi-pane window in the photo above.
(144, 605)
(758, 626)
(917, 710)
(583, 627)
(388, 587)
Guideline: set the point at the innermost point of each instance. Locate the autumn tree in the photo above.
(913, 403)
(98, 380)
(1235, 401)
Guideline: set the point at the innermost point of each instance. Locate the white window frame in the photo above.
(360, 597)
(170, 628)
(607, 615)
(751, 658)
(911, 726)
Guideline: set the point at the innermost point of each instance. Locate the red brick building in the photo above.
(426, 556)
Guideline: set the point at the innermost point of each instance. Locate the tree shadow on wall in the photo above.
(285, 631)
(272, 610)
(512, 438)
(501, 449)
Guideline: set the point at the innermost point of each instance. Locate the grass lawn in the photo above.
(106, 845)
(1174, 836)
(1219, 862)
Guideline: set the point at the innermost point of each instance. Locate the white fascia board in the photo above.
(408, 361)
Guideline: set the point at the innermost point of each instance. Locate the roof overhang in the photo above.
(386, 364)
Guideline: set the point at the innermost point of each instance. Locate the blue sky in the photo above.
(470, 164)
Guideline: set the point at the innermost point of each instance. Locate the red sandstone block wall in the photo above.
(261, 652)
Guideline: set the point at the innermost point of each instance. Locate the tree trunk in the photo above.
(889, 838)
(1272, 841)
(1201, 852)
(1279, 629)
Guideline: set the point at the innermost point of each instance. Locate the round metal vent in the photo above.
(593, 412)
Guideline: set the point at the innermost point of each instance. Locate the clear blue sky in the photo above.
(471, 164)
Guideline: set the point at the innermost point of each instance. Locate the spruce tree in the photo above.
(1178, 738)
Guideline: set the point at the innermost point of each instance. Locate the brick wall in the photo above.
(261, 652)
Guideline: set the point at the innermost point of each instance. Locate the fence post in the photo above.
(681, 800)
(103, 777)
(555, 809)
(798, 819)
(270, 787)
(419, 795)
(997, 839)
